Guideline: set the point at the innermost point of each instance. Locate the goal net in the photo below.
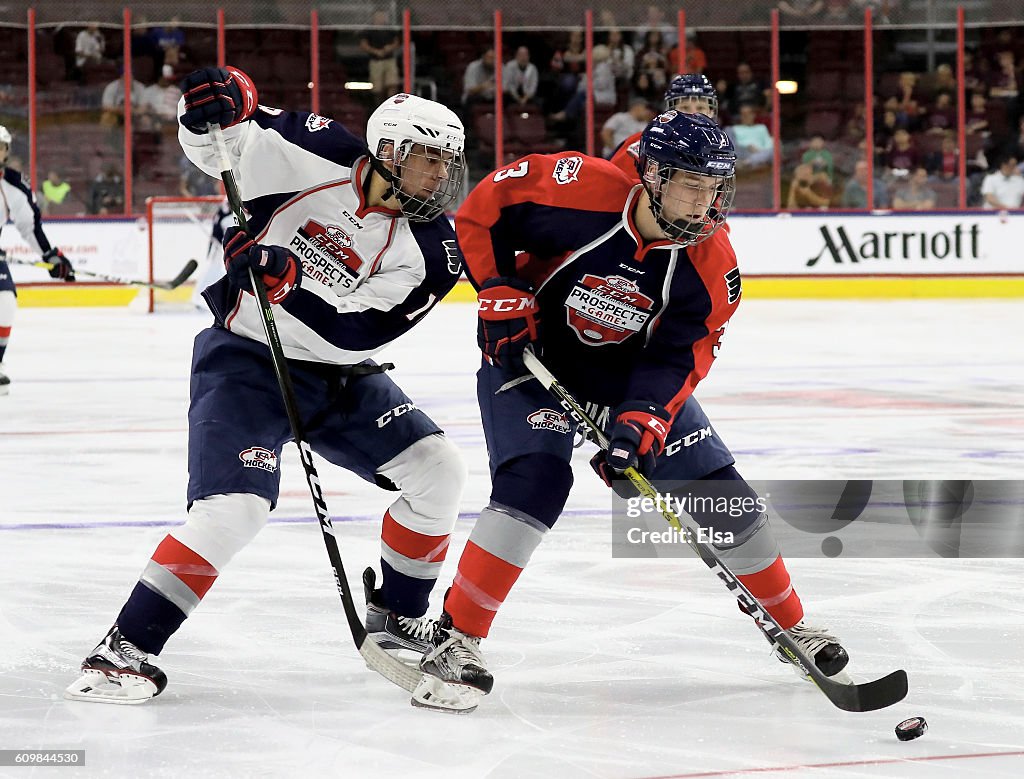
(178, 230)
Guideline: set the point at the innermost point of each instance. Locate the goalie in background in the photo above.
(625, 289)
(20, 207)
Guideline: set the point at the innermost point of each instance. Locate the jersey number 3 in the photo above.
(517, 172)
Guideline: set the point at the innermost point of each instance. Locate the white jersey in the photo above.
(19, 206)
(369, 274)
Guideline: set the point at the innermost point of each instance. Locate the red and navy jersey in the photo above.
(621, 319)
(624, 158)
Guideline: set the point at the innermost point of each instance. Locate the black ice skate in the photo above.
(818, 643)
(455, 676)
(117, 671)
(407, 638)
(5, 383)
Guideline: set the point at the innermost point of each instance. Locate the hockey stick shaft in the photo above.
(376, 658)
(850, 697)
(177, 281)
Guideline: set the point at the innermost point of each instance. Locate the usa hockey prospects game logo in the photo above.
(327, 254)
(607, 310)
(258, 457)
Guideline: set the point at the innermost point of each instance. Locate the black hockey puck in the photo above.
(912, 728)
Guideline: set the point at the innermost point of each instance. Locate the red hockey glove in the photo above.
(636, 440)
(223, 96)
(61, 265)
(509, 320)
(280, 270)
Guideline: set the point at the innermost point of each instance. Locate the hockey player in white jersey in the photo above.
(354, 247)
(19, 206)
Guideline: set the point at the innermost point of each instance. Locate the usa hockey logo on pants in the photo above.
(549, 419)
(258, 457)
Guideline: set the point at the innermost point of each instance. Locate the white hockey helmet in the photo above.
(5, 139)
(406, 126)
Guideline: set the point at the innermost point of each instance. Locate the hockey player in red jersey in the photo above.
(626, 290)
(690, 93)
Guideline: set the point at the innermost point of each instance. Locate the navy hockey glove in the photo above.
(509, 320)
(223, 96)
(636, 440)
(280, 270)
(61, 265)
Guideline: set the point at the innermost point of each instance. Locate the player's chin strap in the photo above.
(394, 182)
(847, 696)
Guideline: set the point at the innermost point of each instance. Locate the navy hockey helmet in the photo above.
(692, 93)
(688, 167)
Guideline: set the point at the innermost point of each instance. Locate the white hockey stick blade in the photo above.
(391, 668)
(435, 695)
(97, 687)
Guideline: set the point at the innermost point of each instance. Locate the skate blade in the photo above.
(97, 687)
(433, 694)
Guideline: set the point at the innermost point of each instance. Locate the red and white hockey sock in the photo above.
(411, 560)
(500, 546)
(774, 590)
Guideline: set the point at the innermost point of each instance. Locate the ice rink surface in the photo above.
(625, 669)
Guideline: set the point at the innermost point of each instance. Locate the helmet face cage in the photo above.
(686, 190)
(706, 104)
(692, 87)
(688, 168)
(427, 179)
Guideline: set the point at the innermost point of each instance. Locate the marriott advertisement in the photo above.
(823, 244)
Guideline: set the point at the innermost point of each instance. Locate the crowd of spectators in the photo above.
(916, 154)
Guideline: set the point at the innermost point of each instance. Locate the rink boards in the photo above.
(807, 255)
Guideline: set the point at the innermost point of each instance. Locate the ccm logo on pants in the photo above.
(397, 411)
(688, 440)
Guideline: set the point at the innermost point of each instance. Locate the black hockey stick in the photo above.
(174, 283)
(847, 696)
(376, 658)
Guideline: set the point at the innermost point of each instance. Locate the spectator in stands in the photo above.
(624, 124)
(478, 84)
(974, 78)
(622, 59)
(193, 182)
(604, 87)
(1003, 80)
(1018, 142)
(520, 79)
(977, 114)
(652, 68)
(901, 157)
(943, 79)
(567, 66)
(915, 194)
(944, 164)
(819, 157)
(910, 98)
(855, 129)
(55, 190)
(380, 43)
(170, 40)
(106, 192)
(696, 59)
(942, 116)
(855, 193)
(655, 22)
(89, 46)
(1004, 188)
(798, 11)
(746, 90)
(112, 101)
(754, 145)
(809, 189)
(160, 101)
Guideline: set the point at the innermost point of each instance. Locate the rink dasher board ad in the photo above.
(807, 255)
